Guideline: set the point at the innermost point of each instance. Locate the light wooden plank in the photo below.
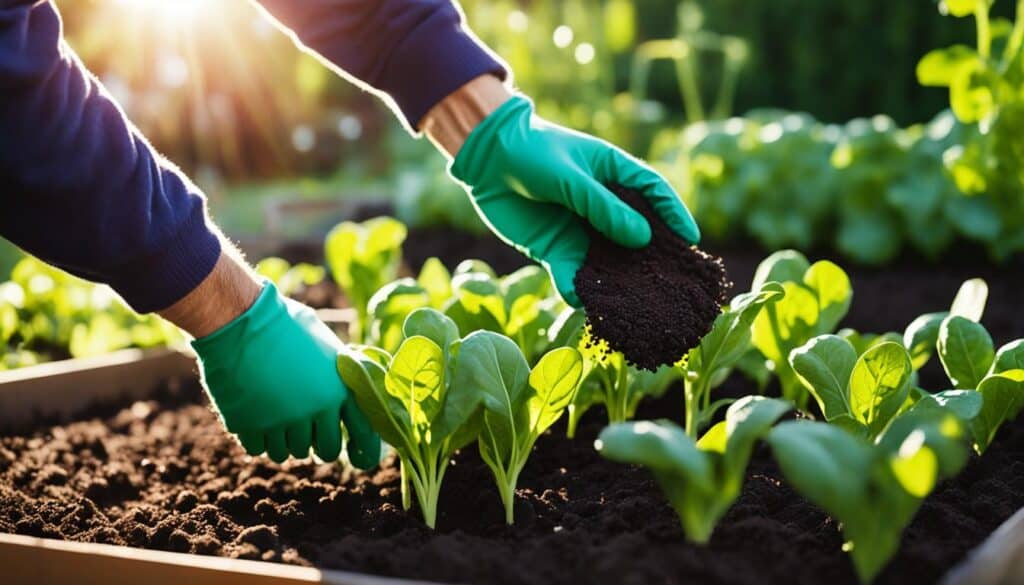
(25, 560)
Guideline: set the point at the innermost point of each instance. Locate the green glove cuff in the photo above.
(471, 163)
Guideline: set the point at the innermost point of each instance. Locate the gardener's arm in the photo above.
(537, 185)
(81, 189)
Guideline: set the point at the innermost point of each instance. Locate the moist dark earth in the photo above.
(654, 303)
(162, 474)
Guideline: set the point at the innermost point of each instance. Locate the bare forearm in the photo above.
(449, 122)
(229, 290)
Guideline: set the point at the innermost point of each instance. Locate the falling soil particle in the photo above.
(654, 303)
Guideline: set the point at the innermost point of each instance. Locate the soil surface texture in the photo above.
(162, 474)
(654, 303)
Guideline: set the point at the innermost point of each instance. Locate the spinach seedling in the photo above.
(362, 258)
(817, 297)
(519, 404)
(411, 401)
(701, 479)
(707, 365)
(921, 336)
(872, 488)
(970, 360)
(860, 393)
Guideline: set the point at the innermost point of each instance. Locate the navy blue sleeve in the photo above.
(410, 52)
(79, 185)
(83, 190)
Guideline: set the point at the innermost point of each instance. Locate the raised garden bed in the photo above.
(160, 473)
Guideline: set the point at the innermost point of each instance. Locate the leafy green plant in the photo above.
(519, 404)
(289, 278)
(873, 488)
(971, 362)
(362, 258)
(859, 393)
(817, 296)
(986, 92)
(521, 305)
(701, 479)
(707, 365)
(47, 314)
(411, 400)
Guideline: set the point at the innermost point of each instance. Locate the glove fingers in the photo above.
(327, 435)
(277, 446)
(363, 442)
(619, 167)
(607, 213)
(299, 437)
(252, 442)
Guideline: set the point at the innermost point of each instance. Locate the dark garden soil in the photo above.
(162, 474)
(654, 303)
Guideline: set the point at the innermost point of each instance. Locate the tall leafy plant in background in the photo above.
(986, 92)
(816, 297)
(362, 258)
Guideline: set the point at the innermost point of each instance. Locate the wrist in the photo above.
(227, 292)
(450, 122)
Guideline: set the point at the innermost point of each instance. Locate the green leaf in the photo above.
(971, 95)
(966, 351)
(434, 279)
(364, 256)
(388, 308)
(879, 384)
(826, 464)
(554, 381)
(832, 291)
(417, 379)
(958, 8)
(748, 420)
(921, 336)
(567, 329)
(939, 430)
(970, 300)
(365, 378)
(824, 365)
(1003, 396)
(729, 337)
(528, 280)
(782, 266)
(965, 404)
(790, 321)
(940, 67)
(662, 447)
(433, 325)
(1009, 357)
(493, 367)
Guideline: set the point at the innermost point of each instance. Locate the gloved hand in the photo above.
(272, 375)
(535, 184)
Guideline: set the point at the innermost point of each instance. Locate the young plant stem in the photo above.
(355, 328)
(1013, 46)
(618, 397)
(575, 414)
(984, 28)
(695, 393)
(406, 488)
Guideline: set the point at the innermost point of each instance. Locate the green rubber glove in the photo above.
(536, 184)
(272, 375)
